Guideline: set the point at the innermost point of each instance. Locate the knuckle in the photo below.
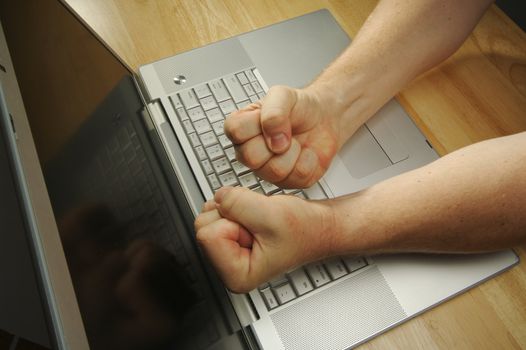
(277, 172)
(302, 177)
(251, 163)
(232, 129)
(240, 157)
(201, 222)
(229, 201)
(197, 223)
(274, 117)
(202, 236)
(303, 172)
(245, 156)
(309, 182)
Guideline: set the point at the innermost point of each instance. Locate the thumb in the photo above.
(275, 122)
(248, 208)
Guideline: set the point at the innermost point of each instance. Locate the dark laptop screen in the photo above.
(132, 263)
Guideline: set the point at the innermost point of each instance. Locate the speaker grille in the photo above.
(341, 316)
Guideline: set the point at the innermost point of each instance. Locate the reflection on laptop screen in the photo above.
(134, 279)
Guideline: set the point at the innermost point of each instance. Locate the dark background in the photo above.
(515, 9)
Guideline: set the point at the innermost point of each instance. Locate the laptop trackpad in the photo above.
(362, 155)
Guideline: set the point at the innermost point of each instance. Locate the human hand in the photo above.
(289, 138)
(251, 238)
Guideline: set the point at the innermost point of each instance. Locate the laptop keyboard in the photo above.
(202, 111)
(308, 278)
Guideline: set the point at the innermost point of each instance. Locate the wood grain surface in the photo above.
(478, 93)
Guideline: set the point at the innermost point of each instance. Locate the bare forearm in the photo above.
(470, 200)
(399, 40)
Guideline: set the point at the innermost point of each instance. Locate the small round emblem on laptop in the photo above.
(179, 79)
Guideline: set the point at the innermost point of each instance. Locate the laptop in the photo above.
(127, 173)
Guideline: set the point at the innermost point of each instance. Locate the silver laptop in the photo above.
(153, 171)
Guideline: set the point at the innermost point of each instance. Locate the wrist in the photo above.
(349, 95)
(318, 221)
(355, 229)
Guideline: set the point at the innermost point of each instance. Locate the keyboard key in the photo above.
(208, 103)
(181, 112)
(300, 281)
(200, 151)
(315, 192)
(233, 85)
(290, 190)
(263, 286)
(268, 187)
(224, 141)
(218, 90)
(269, 298)
(207, 167)
(258, 190)
(214, 151)
(214, 115)
(335, 268)
(353, 263)
(202, 126)
(300, 195)
(278, 280)
(214, 181)
(219, 127)
(250, 75)
(243, 104)
(261, 95)
(257, 87)
(227, 107)
(249, 180)
(194, 139)
(221, 165)
(202, 91)
(188, 98)
(230, 153)
(254, 98)
(249, 89)
(188, 126)
(208, 139)
(228, 179)
(317, 274)
(242, 78)
(196, 113)
(176, 102)
(240, 168)
(284, 293)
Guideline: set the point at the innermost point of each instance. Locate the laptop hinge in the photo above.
(157, 114)
(245, 310)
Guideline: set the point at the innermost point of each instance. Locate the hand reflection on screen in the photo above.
(132, 294)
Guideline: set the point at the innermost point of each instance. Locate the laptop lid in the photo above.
(136, 285)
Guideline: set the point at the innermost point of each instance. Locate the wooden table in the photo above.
(479, 93)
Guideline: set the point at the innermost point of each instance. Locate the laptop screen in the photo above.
(137, 276)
